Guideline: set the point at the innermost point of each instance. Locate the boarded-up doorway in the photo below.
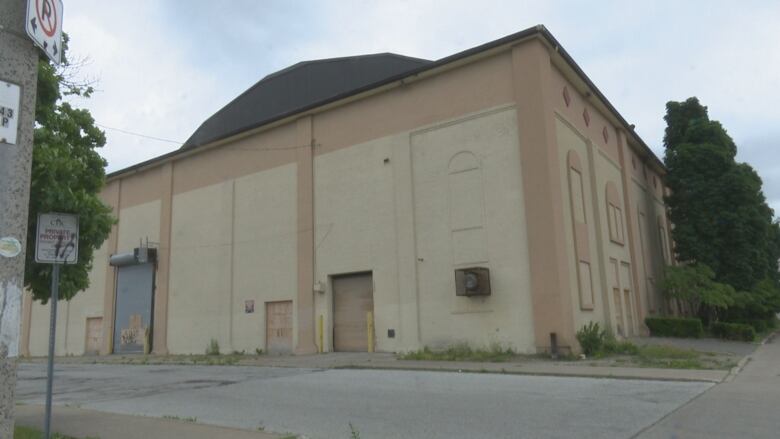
(278, 327)
(353, 299)
(94, 335)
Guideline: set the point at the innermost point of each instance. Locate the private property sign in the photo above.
(57, 239)
(44, 26)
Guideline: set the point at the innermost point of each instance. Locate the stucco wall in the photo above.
(199, 291)
(608, 172)
(355, 229)
(648, 206)
(364, 203)
(591, 285)
(469, 211)
(137, 224)
(410, 183)
(264, 258)
(231, 242)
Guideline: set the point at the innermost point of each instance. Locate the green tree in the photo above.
(694, 287)
(717, 205)
(67, 175)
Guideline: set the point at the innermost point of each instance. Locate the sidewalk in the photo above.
(523, 366)
(744, 406)
(81, 423)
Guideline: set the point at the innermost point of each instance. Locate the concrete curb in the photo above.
(745, 360)
(737, 369)
(643, 374)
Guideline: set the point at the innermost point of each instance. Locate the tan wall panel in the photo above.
(593, 130)
(141, 187)
(199, 296)
(571, 140)
(607, 171)
(137, 223)
(502, 246)
(355, 229)
(470, 88)
(249, 155)
(39, 329)
(71, 315)
(265, 250)
(87, 303)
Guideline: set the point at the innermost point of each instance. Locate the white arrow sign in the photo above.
(44, 26)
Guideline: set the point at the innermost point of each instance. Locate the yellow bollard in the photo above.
(320, 328)
(370, 325)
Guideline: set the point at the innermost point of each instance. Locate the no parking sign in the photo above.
(44, 26)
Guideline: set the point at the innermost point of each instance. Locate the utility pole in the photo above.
(18, 68)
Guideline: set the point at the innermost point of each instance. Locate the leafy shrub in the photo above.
(591, 338)
(733, 331)
(674, 327)
(695, 286)
(213, 347)
(612, 346)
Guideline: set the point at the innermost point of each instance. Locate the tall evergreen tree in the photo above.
(719, 211)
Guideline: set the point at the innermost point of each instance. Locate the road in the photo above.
(321, 403)
(745, 407)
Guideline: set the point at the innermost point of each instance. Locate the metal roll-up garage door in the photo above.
(134, 305)
(353, 299)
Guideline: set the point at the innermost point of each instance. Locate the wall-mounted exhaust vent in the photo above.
(473, 281)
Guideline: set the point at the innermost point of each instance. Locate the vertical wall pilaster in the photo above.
(406, 247)
(161, 293)
(628, 202)
(304, 308)
(539, 161)
(113, 197)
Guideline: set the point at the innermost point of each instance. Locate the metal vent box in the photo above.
(474, 281)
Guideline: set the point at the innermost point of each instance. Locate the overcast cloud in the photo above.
(163, 67)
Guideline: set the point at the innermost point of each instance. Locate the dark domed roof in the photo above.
(298, 87)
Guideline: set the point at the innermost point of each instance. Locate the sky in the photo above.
(161, 67)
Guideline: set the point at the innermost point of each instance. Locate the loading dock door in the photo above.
(133, 316)
(353, 298)
(278, 327)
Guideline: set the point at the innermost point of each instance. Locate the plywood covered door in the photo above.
(278, 327)
(94, 335)
(353, 299)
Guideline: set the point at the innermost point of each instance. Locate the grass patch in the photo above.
(179, 418)
(461, 352)
(627, 354)
(21, 432)
(669, 357)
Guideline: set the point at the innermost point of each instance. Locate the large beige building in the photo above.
(331, 205)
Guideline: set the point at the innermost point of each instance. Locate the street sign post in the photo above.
(44, 26)
(57, 243)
